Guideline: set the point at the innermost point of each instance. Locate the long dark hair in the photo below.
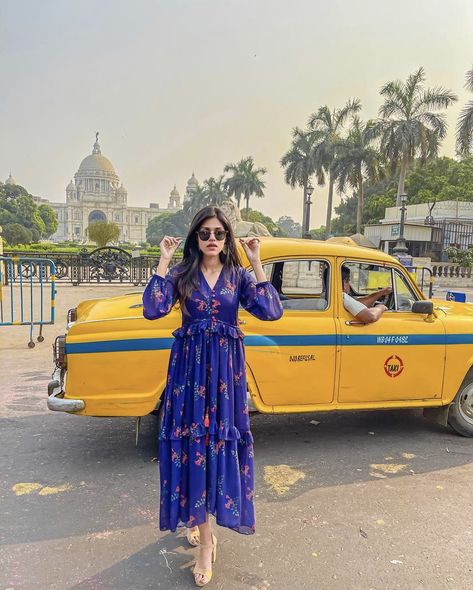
(187, 279)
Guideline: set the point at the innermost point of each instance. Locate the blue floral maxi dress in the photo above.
(206, 447)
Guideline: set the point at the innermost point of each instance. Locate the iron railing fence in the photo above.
(102, 266)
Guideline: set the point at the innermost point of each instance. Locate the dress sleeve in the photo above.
(260, 299)
(159, 296)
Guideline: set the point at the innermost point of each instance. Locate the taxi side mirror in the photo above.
(426, 307)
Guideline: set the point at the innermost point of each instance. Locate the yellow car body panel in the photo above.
(306, 361)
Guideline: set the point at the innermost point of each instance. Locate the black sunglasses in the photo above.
(204, 234)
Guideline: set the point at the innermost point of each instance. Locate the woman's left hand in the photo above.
(251, 248)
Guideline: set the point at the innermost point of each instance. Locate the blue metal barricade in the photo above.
(23, 297)
(456, 296)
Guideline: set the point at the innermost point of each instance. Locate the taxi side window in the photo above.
(302, 284)
(404, 294)
(366, 279)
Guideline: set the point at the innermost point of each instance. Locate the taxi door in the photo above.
(293, 360)
(400, 357)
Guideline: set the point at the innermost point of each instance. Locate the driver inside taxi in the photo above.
(361, 307)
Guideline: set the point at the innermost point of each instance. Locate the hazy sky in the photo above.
(180, 85)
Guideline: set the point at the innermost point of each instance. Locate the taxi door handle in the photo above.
(354, 323)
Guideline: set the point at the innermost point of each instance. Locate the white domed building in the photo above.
(10, 180)
(96, 194)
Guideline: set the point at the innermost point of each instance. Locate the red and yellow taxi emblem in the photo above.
(393, 366)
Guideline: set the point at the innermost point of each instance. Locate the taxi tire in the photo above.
(456, 415)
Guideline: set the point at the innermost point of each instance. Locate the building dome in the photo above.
(175, 192)
(96, 173)
(192, 182)
(10, 180)
(96, 162)
(71, 186)
(121, 189)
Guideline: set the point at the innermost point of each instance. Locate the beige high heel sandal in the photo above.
(201, 571)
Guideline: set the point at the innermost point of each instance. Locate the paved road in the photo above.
(354, 501)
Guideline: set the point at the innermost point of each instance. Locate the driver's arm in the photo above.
(371, 314)
(367, 315)
(369, 300)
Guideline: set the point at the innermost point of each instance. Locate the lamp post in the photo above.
(400, 247)
(307, 203)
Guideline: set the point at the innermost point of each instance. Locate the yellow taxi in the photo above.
(316, 358)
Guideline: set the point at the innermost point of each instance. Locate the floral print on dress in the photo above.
(206, 447)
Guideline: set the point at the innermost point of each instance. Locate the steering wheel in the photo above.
(404, 302)
(387, 300)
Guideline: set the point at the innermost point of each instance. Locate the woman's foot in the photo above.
(203, 564)
(193, 536)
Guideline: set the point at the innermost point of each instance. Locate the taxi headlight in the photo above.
(59, 352)
(72, 315)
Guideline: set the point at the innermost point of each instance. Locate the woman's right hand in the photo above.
(168, 246)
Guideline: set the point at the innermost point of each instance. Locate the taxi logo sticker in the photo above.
(393, 366)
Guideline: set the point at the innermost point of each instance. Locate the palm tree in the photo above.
(330, 124)
(357, 160)
(194, 203)
(301, 161)
(465, 122)
(213, 191)
(234, 183)
(246, 180)
(409, 126)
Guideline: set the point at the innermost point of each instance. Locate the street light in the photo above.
(307, 203)
(400, 247)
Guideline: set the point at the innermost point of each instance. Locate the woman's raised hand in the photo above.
(251, 248)
(168, 246)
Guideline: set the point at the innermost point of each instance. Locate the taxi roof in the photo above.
(272, 247)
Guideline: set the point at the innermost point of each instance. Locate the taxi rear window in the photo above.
(303, 284)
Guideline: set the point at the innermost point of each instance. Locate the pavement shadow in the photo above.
(164, 564)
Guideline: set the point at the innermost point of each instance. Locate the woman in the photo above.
(206, 447)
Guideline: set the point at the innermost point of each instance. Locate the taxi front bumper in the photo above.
(56, 402)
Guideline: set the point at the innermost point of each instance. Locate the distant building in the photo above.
(96, 194)
(429, 231)
(10, 180)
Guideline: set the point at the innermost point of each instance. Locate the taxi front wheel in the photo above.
(460, 416)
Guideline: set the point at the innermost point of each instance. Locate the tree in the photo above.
(441, 179)
(15, 233)
(330, 124)
(103, 232)
(48, 215)
(166, 224)
(289, 227)
(319, 233)
(234, 183)
(18, 206)
(213, 191)
(464, 133)
(409, 126)
(357, 161)
(246, 181)
(257, 216)
(344, 223)
(300, 162)
(463, 258)
(194, 203)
